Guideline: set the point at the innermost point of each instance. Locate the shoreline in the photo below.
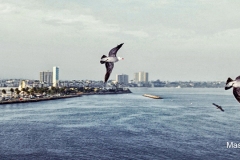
(60, 97)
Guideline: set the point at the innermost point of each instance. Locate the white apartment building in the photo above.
(123, 78)
(141, 77)
(55, 76)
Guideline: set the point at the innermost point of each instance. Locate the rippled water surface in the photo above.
(183, 125)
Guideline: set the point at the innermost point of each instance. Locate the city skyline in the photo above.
(172, 40)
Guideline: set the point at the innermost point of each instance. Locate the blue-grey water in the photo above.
(183, 125)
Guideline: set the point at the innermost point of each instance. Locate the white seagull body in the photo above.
(236, 87)
(110, 60)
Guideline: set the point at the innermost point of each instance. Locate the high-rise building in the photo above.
(46, 77)
(55, 76)
(122, 78)
(141, 77)
(145, 77)
(136, 78)
(22, 84)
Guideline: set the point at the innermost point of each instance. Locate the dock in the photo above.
(152, 96)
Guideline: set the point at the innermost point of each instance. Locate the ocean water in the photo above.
(183, 125)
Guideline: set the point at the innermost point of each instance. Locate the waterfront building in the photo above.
(123, 78)
(22, 85)
(55, 76)
(158, 83)
(136, 77)
(46, 77)
(141, 77)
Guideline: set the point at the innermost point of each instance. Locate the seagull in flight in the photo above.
(218, 107)
(110, 60)
(236, 87)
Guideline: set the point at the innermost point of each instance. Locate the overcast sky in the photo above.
(169, 39)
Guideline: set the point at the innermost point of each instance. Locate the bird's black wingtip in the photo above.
(120, 45)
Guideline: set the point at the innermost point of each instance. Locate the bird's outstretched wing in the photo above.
(236, 93)
(113, 51)
(109, 68)
(215, 104)
(238, 78)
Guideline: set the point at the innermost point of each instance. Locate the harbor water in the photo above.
(182, 125)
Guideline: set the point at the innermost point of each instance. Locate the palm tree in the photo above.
(46, 89)
(17, 91)
(34, 89)
(28, 92)
(31, 92)
(57, 90)
(67, 90)
(53, 90)
(62, 90)
(3, 94)
(11, 90)
(40, 90)
(4, 91)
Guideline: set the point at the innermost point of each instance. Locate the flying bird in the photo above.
(110, 60)
(236, 87)
(218, 107)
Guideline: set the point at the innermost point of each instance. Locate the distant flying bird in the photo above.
(236, 87)
(110, 60)
(218, 107)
